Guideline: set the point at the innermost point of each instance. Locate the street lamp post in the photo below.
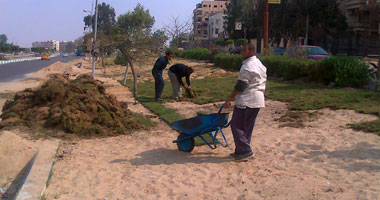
(94, 42)
(266, 29)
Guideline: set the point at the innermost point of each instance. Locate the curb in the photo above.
(23, 59)
(18, 60)
(37, 179)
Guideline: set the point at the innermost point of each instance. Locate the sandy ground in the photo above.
(324, 160)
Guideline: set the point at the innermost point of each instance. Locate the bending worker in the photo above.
(159, 66)
(176, 72)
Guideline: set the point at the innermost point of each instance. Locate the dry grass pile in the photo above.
(78, 106)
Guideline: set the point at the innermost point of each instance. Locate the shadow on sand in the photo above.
(173, 156)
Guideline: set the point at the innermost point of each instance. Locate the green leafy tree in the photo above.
(39, 50)
(159, 38)
(3, 39)
(131, 35)
(106, 20)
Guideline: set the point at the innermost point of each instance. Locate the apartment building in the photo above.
(362, 16)
(50, 44)
(66, 46)
(216, 26)
(201, 19)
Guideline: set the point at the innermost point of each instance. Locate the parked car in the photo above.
(45, 57)
(235, 50)
(65, 55)
(278, 51)
(306, 51)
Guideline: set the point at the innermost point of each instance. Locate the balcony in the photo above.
(356, 4)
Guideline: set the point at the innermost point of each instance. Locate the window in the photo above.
(217, 21)
(215, 6)
(205, 32)
(204, 6)
(216, 31)
(209, 6)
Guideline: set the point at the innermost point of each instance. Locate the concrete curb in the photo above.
(23, 59)
(37, 179)
(18, 60)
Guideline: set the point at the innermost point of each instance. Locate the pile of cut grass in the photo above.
(78, 106)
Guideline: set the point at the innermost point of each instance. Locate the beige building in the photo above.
(50, 44)
(202, 14)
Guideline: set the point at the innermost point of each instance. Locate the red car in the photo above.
(306, 51)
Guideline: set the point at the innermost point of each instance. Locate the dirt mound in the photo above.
(78, 106)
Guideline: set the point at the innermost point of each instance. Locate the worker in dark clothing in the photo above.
(176, 72)
(159, 66)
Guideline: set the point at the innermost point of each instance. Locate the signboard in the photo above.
(274, 1)
(238, 26)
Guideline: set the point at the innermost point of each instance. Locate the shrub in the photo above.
(220, 42)
(351, 72)
(120, 60)
(176, 52)
(286, 67)
(228, 62)
(198, 54)
(230, 41)
(344, 71)
(241, 41)
(213, 54)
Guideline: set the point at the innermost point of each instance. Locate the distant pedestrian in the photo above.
(249, 92)
(176, 73)
(157, 70)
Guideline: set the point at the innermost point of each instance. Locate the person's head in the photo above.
(169, 55)
(248, 51)
(190, 70)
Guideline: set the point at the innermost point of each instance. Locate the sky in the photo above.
(27, 21)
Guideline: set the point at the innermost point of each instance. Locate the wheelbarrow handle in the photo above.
(221, 108)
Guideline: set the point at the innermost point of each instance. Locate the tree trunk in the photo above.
(129, 61)
(102, 54)
(125, 75)
(134, 79)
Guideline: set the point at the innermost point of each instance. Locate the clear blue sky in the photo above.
(26, 21)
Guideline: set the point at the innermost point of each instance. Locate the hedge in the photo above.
(343, 71)
(286, 67)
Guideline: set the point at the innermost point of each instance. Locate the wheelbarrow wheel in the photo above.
(185, 145)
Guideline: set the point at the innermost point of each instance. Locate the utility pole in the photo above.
(307, 23)
(266, 29)
(94, 42)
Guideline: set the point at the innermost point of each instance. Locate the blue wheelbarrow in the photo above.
(210, 124)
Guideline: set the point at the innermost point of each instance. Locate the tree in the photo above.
(39, 50)
(3, 39)
(159, 38)
(177, 30)
(244, 11)
(131, 36)
(106, 20)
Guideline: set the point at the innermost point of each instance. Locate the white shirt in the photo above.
(254, 73)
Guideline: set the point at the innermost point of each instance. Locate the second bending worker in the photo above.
(176, 72)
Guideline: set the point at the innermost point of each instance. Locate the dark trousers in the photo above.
(242, 123)
(158, 83)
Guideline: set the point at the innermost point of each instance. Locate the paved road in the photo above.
(14, 71)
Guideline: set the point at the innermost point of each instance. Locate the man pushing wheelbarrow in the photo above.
(249, 92)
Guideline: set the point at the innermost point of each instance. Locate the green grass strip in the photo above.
(300, 96)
